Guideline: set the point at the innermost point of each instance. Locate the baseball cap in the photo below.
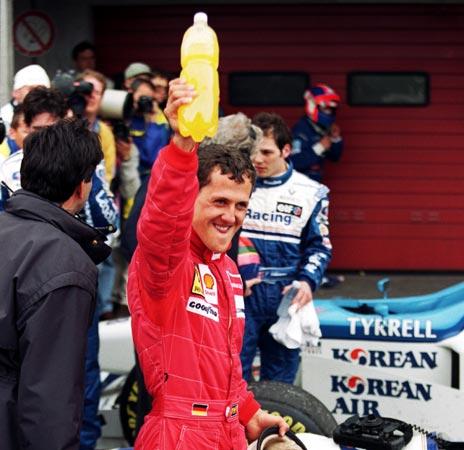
(135, 69)
(32, 75)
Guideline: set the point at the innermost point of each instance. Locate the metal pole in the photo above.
(6, 49)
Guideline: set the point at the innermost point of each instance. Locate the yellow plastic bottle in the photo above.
(199, 56)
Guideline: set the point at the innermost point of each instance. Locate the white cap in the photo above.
(33, 75)
(200, 17)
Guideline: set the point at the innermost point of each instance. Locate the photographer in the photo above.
(92, 105)
(121, 164)
(148, 129)
(316, 136)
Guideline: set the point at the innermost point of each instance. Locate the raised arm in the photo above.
(164, 227)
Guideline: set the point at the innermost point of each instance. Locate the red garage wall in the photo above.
(397, 196)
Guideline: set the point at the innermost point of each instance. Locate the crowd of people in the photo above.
(97, 215)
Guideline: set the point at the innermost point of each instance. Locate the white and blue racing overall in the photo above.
(287, 222)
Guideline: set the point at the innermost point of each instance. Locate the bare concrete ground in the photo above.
(364, 285)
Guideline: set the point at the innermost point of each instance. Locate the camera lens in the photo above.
(145, 104)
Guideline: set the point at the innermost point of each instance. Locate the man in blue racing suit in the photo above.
(316, 136)
(287, 223)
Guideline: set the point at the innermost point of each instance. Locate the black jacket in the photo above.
(47, 297)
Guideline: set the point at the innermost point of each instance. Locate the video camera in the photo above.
(145, 105)
(73, 91)
(116, 105)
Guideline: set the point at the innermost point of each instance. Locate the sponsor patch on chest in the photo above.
(199, 306)
(204, 284)
(237, 288)
(204, 298)
(209, 284)
(197, 287)
(288, 208)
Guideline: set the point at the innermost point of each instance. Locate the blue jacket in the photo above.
(305, 135)
(287, 222)
(150, 138)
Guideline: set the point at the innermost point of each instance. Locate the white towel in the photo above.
(299, 329)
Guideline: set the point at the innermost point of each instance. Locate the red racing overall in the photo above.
(187, 321)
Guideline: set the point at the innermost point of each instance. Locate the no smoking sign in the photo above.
(33, 33)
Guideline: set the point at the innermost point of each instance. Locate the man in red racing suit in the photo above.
(186, 297)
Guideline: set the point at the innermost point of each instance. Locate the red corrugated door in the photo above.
(397, 195)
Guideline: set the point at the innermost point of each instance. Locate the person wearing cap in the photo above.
(136, 70)
(25, 79)
(287, 225)
(316, 136)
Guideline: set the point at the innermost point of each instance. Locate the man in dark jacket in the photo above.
(47, 290)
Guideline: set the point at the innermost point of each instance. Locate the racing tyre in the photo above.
(303, 412)
(128, 407)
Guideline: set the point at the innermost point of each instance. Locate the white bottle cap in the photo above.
(200, 17)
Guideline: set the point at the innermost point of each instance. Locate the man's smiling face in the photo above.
(220, 208)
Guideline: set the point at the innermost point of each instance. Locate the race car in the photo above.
(400, 357)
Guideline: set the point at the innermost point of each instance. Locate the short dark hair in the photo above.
(82, 47)
(43, 100)
(274, 126)
(230, 161)
(139, 81)
(18, 114)
(157, 73)
(58, 158)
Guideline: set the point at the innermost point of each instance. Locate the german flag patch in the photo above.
(199, 409)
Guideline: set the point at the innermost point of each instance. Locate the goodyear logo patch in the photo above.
(199, 306)
(288, 208)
